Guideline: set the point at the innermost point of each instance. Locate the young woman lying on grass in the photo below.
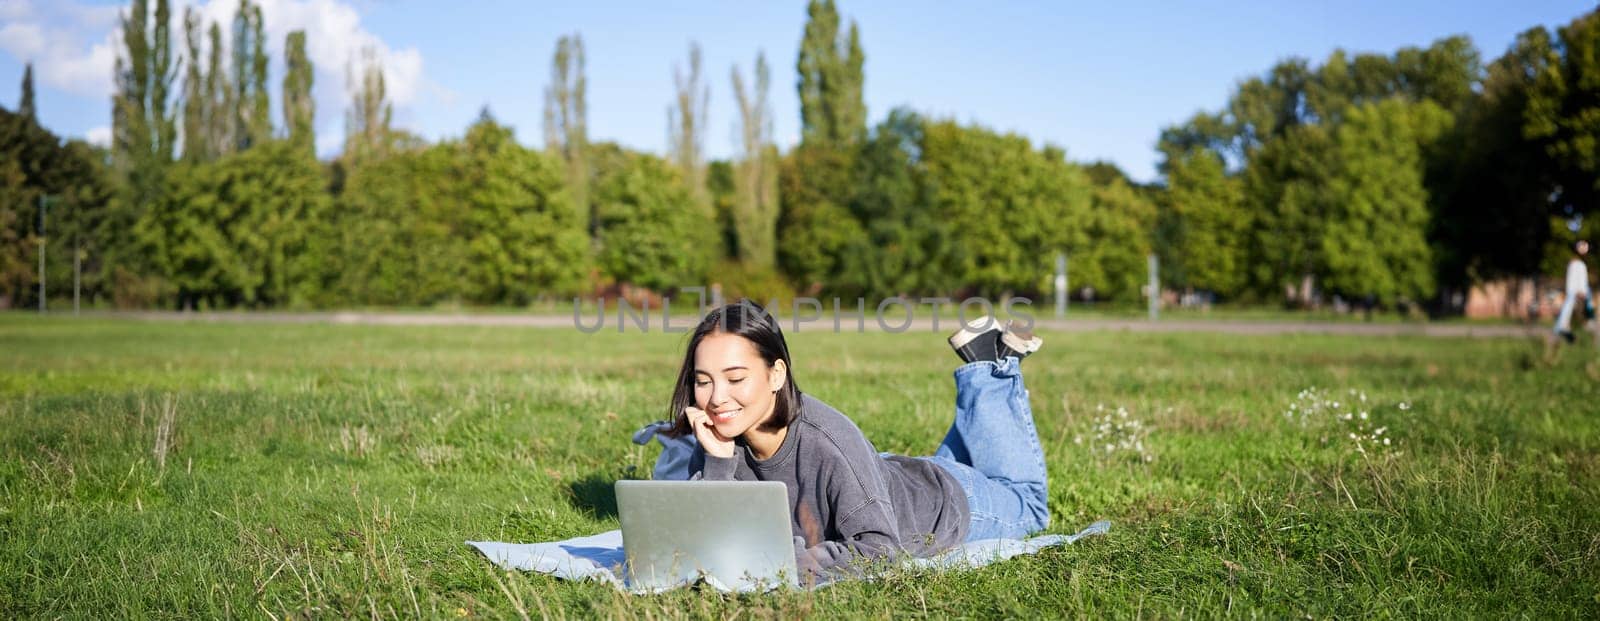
(849, 504)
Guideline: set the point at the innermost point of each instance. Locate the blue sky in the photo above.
(1099, 79)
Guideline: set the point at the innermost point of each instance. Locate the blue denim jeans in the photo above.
(993, 450)
(1564, 318)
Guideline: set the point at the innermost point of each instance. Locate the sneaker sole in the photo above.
(1020, 344)
(972, 329)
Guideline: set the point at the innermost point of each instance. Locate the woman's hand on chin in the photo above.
(710, 441)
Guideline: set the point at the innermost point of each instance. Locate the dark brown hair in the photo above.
(747, 319)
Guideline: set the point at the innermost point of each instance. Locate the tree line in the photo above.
(1408, 176)
(1400, 178)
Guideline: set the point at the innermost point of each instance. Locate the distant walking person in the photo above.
(1577, 285)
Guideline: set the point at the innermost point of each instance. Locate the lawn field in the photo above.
(175, 470)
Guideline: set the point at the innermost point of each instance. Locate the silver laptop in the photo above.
(733, 532)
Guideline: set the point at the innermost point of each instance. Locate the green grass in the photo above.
(318, 470)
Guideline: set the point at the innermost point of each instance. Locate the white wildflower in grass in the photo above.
(1365, 429)
(1116, 435)
(1370, 442)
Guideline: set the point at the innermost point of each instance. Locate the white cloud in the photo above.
(59, 41)
(335, 37)
(22, 39)
(85, 73)
(99, 136)
(335, 41)
(74, 45)
(12, 10)
(97, 17)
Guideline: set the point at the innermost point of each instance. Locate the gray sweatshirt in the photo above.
(847, 503)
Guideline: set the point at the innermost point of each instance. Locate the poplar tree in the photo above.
(847, 105)
(25, 106)
(218, 97)
(831, 79)
(251, 123)
(819, 177)
(366, 125)
(130, 128)
(162, 121)
(299, 111)
(566, 115)
(755, 211)
(196, 102)
(260, 107)
(686, 121)
(143, 128)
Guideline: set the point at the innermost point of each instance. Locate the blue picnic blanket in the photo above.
(600, 557)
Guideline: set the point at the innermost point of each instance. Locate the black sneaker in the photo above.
(1017, 342)
(978, 340)
(1569, 336)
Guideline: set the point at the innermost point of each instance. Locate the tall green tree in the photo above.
(1494, 210)
(35, 165)
(822, 242)
(909, 248)
(650, 233)
(1014, 207)
(849, 105)
(367, 130)
(196, 101)
(234, 232)
(219, 118)
(1375, 234)
(31, 165)
(566, 123)
(832, 111)
(523, 239)
(252, 123)
(143, 130)
(1563, 113)
(163, 71)
(755, 211)
(396, 236)
(1286, 182)
(686, 127)
(25, 104)
(814, 221)
(84, 237)
(143, 127)
(1206, 225)
(1120, 224)
(1277, 136)
(299, 109)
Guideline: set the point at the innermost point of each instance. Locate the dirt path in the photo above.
(870, 324)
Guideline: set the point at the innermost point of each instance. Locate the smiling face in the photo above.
(734, 384)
